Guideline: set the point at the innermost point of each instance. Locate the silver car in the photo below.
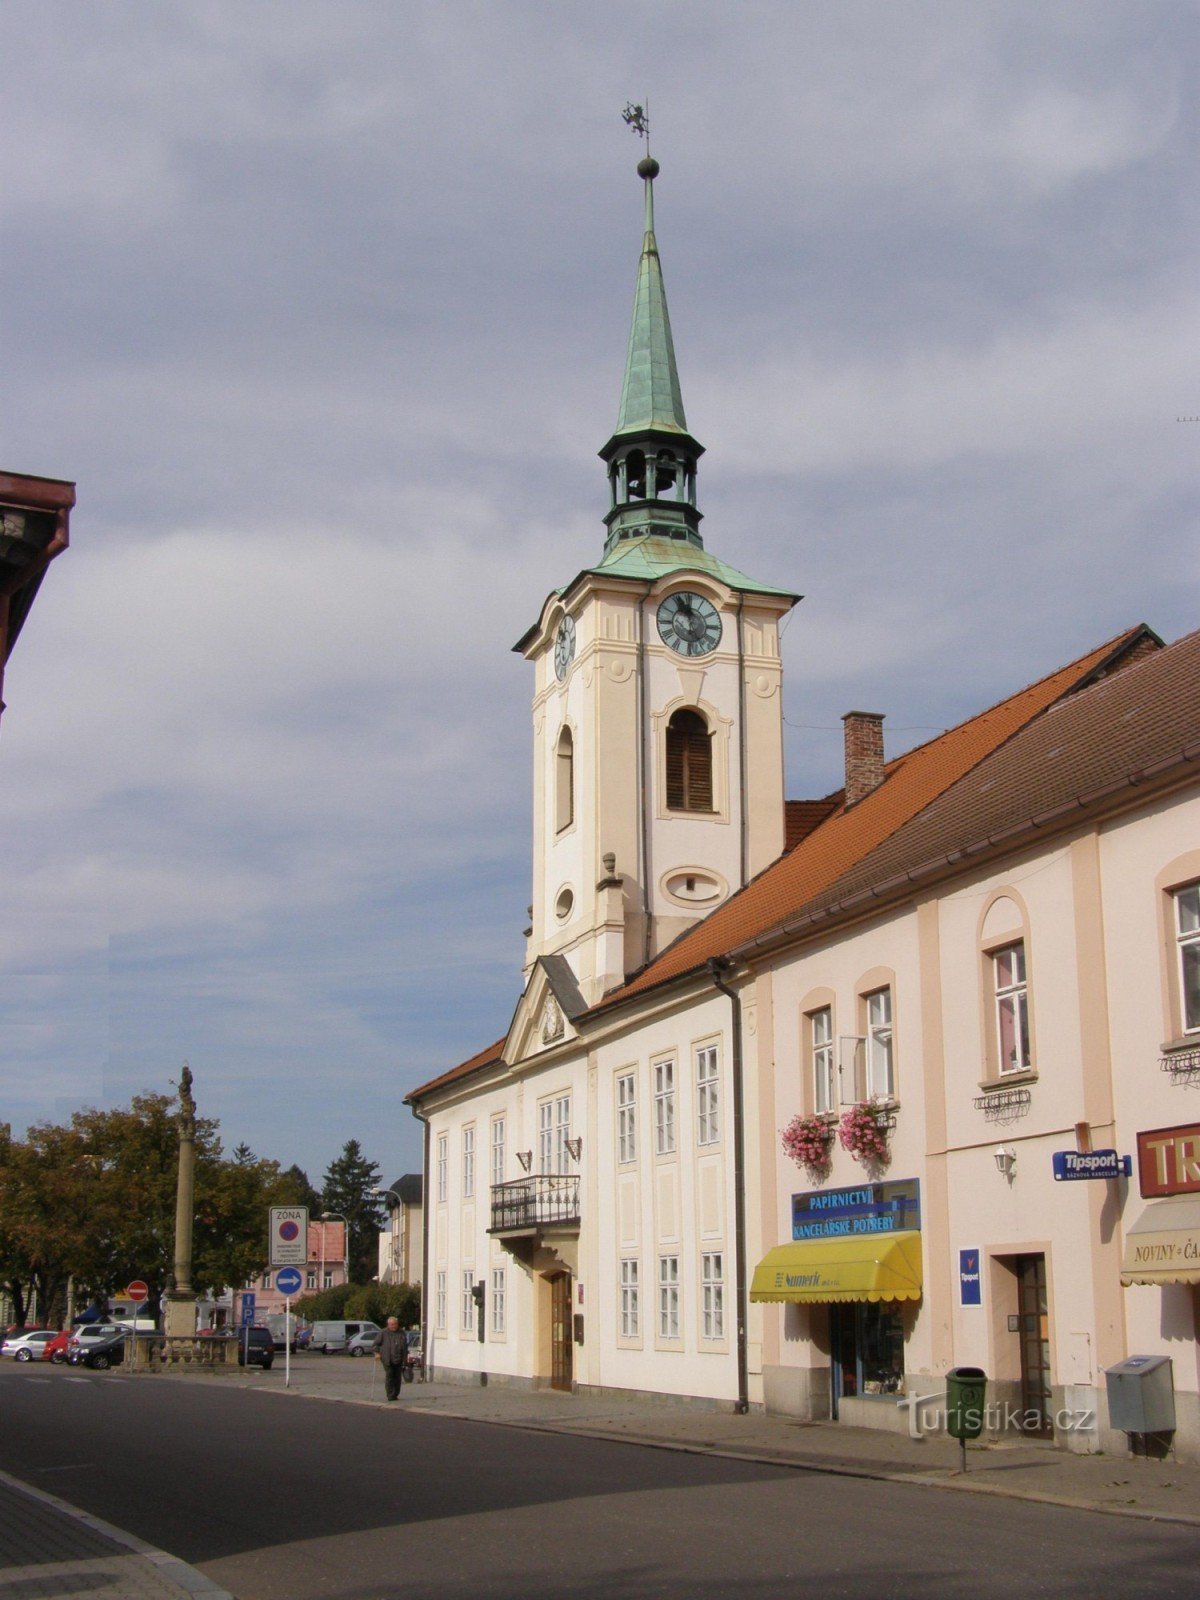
(29, 1346)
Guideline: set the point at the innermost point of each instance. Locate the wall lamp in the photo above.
(1006, 1161)
(574, 1147)
(525, 1157)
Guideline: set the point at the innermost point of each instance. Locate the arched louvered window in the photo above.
(564, 781)
(689, 763)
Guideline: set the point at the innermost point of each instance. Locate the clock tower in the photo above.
(658, 730)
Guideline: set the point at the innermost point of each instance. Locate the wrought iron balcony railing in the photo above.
(542, 1199)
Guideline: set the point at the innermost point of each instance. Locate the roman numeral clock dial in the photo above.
(689, 624)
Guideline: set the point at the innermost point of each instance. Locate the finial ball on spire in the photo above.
(647, 167)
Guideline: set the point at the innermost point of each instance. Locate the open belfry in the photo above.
(810, 1105)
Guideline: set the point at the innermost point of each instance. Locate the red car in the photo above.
(56, 1349)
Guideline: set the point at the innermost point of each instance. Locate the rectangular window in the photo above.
(498, 1295)
(820, 1043)
(668, 1297)
(328, 1284)
(880, 1080)
(468, 1301)
(310, 1278)
(468, 1158)
(266, 1281)
(1187, 934)
(1012, 1008)
(712, 1285)
(629, 1300)
(554, 1129)
(443, 1167)
(498, 1133)
(708, 1096)
(627, 1117)
(440, 1309)
(664, 1107)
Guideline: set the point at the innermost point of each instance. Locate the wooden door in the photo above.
(1033, 1308)
(560, 1331)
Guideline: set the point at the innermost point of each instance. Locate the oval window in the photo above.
(693, 887)
(564, 904)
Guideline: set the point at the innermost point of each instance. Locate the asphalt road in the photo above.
(276, 1497)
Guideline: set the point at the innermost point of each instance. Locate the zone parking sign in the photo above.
(289, 1236)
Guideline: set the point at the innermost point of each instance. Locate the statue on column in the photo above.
(181, 1297)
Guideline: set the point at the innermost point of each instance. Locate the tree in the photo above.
(350, 1184)
(305, 1194)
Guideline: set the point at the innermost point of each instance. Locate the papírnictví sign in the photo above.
(1070, 1164)
(867, 1208)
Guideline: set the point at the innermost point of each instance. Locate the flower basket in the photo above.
(809, 1142)
(863, 1132)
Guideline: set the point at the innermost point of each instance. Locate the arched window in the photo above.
(665, 474)
(635, 475)
(689, 763)
(564, 781)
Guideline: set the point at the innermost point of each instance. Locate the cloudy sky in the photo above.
(324, 308)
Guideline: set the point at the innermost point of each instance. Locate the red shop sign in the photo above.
(1169, 1160)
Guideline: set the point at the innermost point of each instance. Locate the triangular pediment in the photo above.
(546, 1012)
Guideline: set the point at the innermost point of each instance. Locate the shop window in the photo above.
(867, 1346)
(689, 763)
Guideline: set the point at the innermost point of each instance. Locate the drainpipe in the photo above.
(716, 966)
(745, 788)
(425, 1289)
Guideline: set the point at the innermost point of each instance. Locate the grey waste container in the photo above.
(966, 1396)
(1141, 1395)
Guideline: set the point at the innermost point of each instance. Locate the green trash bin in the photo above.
(966, 1398)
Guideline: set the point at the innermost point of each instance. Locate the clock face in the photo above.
(689, 624)
(564, 647)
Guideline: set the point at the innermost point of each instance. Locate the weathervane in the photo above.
(638, 118)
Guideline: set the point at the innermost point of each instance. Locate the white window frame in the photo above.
(499, 1299)
(1012, 999)
(499, 1138)
(881, 1061)
(554, 1129)
(468, 1300)
(668, 1297)
(708, 1095)
(664, 1107)
(328, 1284)
(630, 1308)
(468, 1162)
(712, 1294)
(443, 1168)
(627, 1118)
(265, 1283)
(824, 1070)
(440, 1304)
(1187, 945)
(310, 1278)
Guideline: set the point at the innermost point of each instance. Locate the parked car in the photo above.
(303, 1338)
(363, 1343)
(28, 1346)
(56, 1350)
(99, 1354)
(89, 1333)
(256, 1348)
(330, 1336)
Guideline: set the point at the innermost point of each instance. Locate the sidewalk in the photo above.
(49, 1549)
(1118, 1485)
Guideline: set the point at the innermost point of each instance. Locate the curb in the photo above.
(955, 1484)
(171, 1567)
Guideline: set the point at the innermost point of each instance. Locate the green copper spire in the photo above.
(650, 395)
(651, 457)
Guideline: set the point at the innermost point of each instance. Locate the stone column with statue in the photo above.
(181, 1297)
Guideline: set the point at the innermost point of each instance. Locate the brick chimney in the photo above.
(864, 754)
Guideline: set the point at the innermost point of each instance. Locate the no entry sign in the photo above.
(289, 1236)
(137, 1291)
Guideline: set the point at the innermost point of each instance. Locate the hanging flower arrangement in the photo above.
(809, 1141)
(863, 1133)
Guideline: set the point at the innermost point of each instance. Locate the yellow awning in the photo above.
(1163, 1245)
(878, 1266)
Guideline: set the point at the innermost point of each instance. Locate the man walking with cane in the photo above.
(391, 1349)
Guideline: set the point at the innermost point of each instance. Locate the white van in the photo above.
(328, 1336)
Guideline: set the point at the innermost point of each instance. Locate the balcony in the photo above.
(545, 1201)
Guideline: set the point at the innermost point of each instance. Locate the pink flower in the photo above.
(808, 1140)
(861, 1134)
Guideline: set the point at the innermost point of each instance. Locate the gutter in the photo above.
(715, 968)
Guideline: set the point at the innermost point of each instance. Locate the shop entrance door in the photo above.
(1034, 1316)
(560, 1331)
(866, 1347)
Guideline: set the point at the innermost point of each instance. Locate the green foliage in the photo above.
(328, 1305)
(350, 1182)
(376, 1302)
(305, 1194)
